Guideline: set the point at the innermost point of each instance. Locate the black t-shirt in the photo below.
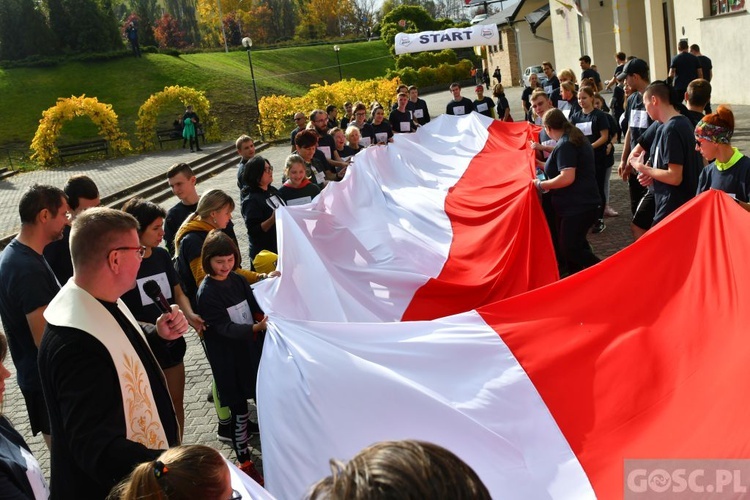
(291, 137)
(172, 222)
(26, 284)
(617, 103)
(348, 151)
(590, 73)
(544, 140)
(592, 125)
(382, 133)
(484, 106)
(157, 267)
(462, 107)
(57, 255)
(675, 143)
(255, 210)
(526, 98)
(421, 113)
(317, 168)
(327, 146)
(582, 194)
(552, 85)
(636, 119)
(367, 135)
(706, 66)
(502, 105)
(569, 108)
(241, 173)
(177, 215)
(15, 474)
(298, 196)
(229, 309)
(401, 122)
(686, 65)
(734, 180)
(190, 247)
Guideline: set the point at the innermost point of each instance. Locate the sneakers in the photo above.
(224, 434)
(598, 227)
(248, 467)
(610, 212)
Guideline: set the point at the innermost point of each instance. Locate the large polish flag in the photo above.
(546, 393)
(436, 223)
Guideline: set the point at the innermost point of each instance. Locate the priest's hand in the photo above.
(171, 326)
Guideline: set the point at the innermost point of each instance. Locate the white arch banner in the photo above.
(452, 38)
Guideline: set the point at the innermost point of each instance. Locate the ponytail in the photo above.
(554, 119)
(180, 473)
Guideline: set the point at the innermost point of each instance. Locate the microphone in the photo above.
(153, 290)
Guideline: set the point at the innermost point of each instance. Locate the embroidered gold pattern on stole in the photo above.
(141, 409)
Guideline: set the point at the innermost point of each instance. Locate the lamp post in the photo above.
(248, 44)
(336, 49)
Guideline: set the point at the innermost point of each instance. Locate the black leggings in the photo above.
(574, 247)
(240, 433)
(192, 139)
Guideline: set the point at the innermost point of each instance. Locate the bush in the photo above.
(426, 76)
(45, 62)
(422, 59)
(276, 111)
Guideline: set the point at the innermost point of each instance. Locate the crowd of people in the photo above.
(665, 149)
(95, 302)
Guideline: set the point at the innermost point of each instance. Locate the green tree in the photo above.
(286, 18)
(147, 12)
(24, 31)
(84, 25)
(414, 19)
(185, 12)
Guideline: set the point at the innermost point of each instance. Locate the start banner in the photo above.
(453, 38)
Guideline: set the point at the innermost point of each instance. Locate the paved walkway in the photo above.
(114, 175)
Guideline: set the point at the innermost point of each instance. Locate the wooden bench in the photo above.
(172, 134)
(81, 148)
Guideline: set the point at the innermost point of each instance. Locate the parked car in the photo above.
(478, 19)
(539, 73)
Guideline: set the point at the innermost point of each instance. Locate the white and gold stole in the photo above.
(74, 307)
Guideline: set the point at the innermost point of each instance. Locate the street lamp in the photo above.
(248, 44)
(336, 49)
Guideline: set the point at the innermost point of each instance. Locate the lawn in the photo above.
(225, 77)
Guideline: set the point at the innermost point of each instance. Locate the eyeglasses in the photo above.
(268, 168)
(361, 113)
(236, 495)
(141, 250)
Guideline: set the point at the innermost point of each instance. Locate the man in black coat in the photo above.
(108, 401)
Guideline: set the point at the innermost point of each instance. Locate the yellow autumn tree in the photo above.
(44, 142)
(149, 112)
(325, 19)
(276, 111)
